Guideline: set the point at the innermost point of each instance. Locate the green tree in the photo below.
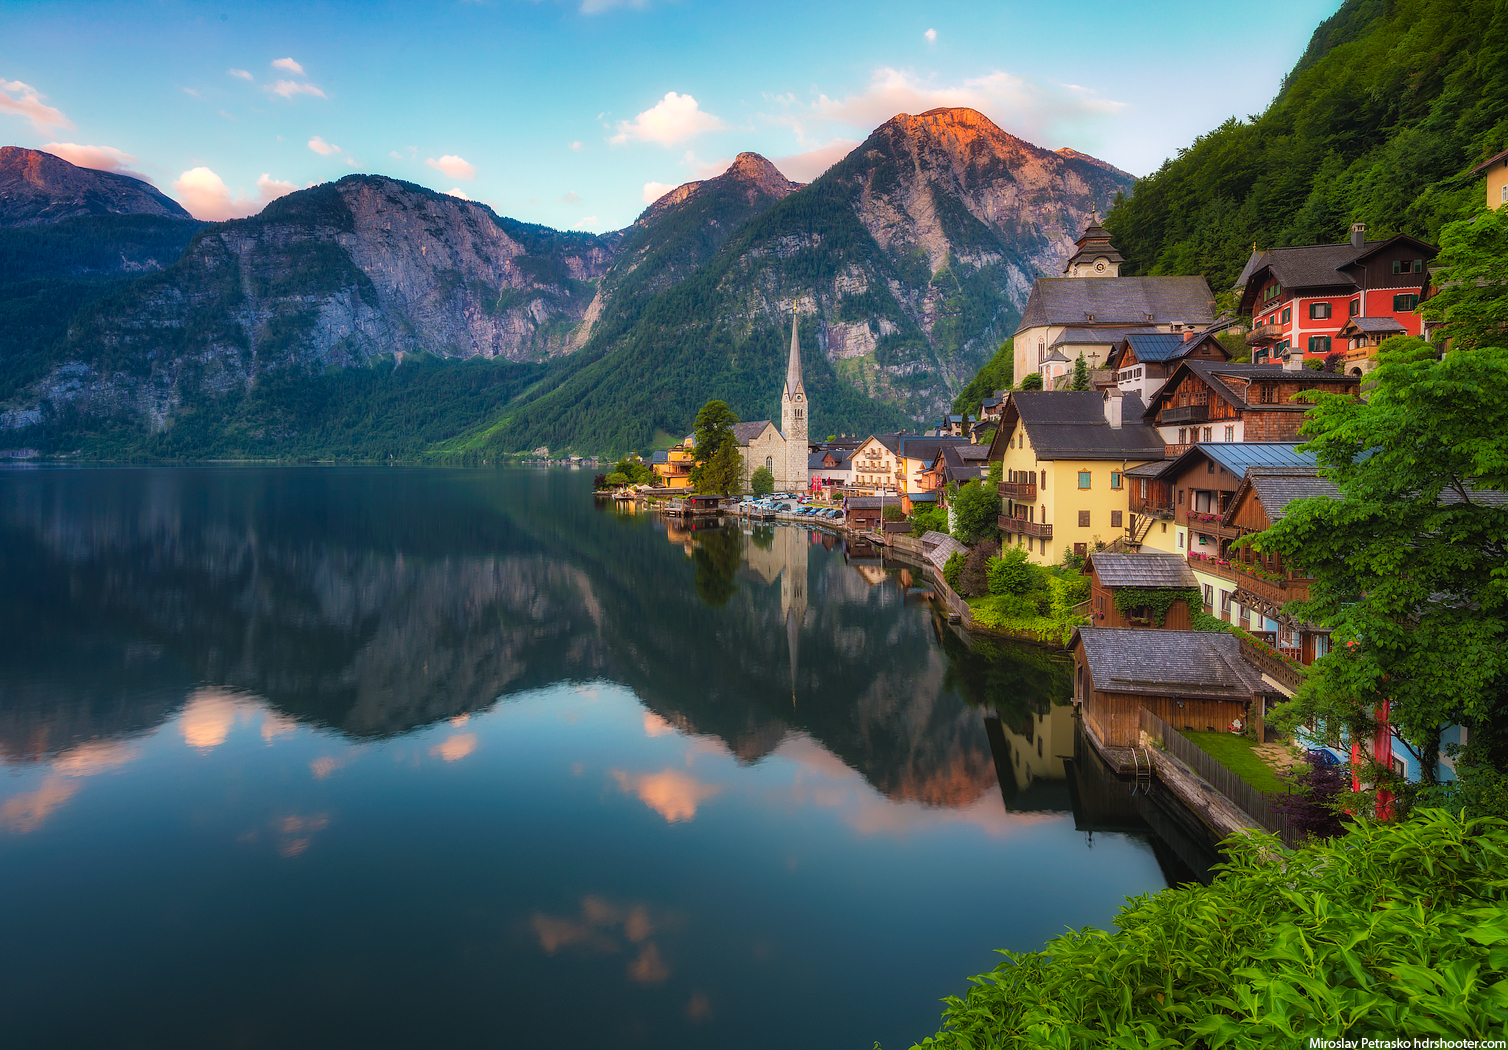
(1473, 273)
(929, 519)
(1080, 374)
(976, 512)
(1032, 382)
(1014, 573)
(718, 465)
(996, 374)
(1410, 564)
(762, 482)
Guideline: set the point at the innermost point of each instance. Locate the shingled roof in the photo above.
(1146, 569)
(1168, 663)
(1123, 301)
(1214, 374)
(744, 433)
(1096, 336)
(1071, 425)
(1312, 265)
(1276, 487)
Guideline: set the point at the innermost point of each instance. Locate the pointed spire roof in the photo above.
(793, 369)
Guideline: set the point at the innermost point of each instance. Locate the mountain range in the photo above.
(134, 329)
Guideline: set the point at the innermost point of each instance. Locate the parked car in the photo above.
(1325, 756)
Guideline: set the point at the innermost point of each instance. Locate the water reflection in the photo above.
(470, 718)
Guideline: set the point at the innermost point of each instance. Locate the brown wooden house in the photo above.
(1204, 402)
(1155, 571)
(1142, 361)
(1193, 680)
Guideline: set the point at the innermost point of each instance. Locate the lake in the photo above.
(442, 758)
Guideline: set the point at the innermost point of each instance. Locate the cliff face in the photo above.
(334, 276)
(37, 188)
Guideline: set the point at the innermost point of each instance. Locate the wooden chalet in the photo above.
(1142, 361)
(1110, 573)
(1208, 402)
(1193, 680)
(1264, 582)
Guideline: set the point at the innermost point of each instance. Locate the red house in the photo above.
(1301, 298)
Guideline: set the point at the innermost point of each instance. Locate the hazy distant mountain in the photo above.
(37, 188)
(907, 262)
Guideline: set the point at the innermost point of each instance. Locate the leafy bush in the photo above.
(974, 579)
(1032, 382)
(1013, 572)
(952, 568)
(616, 478)
(976, 512)
(762, 482)
(1314, 805)
(1385, 930)
(893, 513)
(929, 519)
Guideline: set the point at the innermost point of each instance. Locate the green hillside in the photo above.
(1380, 122)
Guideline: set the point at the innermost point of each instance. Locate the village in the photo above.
(1146, 440)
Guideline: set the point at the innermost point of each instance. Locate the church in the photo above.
(783, 451)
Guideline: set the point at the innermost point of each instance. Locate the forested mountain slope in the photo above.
(1380, 122)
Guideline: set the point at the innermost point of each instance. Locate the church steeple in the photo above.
(793, 368)
(1094, 255)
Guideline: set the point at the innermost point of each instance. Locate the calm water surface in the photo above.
(364, 757)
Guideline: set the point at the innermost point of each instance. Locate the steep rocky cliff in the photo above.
(331, 277)
(38, 188)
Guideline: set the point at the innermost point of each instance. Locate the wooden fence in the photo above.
(1248, 798)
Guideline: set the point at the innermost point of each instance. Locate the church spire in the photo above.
(793, 369)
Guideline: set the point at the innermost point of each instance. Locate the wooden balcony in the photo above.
(1020, 491)
(1021, 527)
(1264, 593)
(1152, 508)
(1184, 414)
(1264, 335)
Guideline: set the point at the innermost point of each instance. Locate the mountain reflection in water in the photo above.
(758, 694)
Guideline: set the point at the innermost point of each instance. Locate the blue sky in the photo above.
(572, 113)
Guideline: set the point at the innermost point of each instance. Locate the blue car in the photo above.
(1324, 756)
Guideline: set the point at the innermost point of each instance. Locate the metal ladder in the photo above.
(1143, 772)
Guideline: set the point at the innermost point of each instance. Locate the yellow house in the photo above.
(878, 466)
(673, 466)
(1063, 457)
(1496, 169)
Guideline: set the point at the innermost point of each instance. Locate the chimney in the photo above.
(1113, 409)
(1188, 333)
(1358, 234)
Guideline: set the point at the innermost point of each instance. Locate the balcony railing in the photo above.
(1153, 508)
(1274, 588)
(1264, 335)
(1020, 491)
(1185, 414)
(1021, 527)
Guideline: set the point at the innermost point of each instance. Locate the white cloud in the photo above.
(672, 120)
(931, 36)
(456, 191)
(807, 165)
(25, 101)
(570, 198)
(323, 148)
(576, 147)
(395, 154)
(205, 195)
(590, 220)
(289, 88)
(288, 65)
(1031, 111)
(653, 191)
(239, 74)
(453, 166)
(101, 158)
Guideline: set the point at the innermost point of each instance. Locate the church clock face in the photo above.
(1099, 267)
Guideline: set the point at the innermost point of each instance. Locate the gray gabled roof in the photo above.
(946, 547)
(1374, 324)
(1135, 301)
(1071, 424)
(1146, 569)
(744, 433)
(1213, 373)
(1315, 265)
(1097, 336)
(1275, 488)
(914, 446)
(1161, 663)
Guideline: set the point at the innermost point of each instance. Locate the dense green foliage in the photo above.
(762, 481)
(1080, 374)
(1032, 382)
(1388, 930)
(976, 512)
(1029, 599)
(998, 373)
(1410, 566)
(929, 519)
(632, 471)
(1473, 271)
(718, 466)
(1380, 122)
(1156, 600)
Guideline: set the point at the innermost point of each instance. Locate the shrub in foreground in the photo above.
(1386, 930)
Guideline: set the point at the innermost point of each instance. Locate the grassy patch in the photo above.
(1002, 613)
(1238, 754)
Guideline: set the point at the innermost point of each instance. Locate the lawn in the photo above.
(1237, 754)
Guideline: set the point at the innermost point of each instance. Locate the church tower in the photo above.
(793, 419)
(1093, 254)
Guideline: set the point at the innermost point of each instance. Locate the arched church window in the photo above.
(769, 462)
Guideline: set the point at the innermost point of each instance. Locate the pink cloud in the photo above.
(672, 120)
(100, 158)
(205, 195)
(288, 65)
(26, 102)
(455, 167)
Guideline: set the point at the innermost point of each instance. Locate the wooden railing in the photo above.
(1185, 414)
(1021, 527)
(1248, 798)
(1020, 491)
(1277, 668)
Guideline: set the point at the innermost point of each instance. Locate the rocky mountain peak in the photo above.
(754, 169)
(37, 188)
(751, 174)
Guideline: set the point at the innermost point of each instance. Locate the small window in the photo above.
(1230, 433)
(1165, 529)
(1115, 519)
(1180, 497)
(1225, 602)
(1183, 435)
(1354, 308)
(1209, 595)
(1209, 434)
(1287, 314)
(1319, 344)
(1405, 303)
(769, 462)
(1319, 311)
(1083, 519)
(1180, 540)
(1115, 479)
(1083, 479)
(1399, 768)
(1143, 488)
